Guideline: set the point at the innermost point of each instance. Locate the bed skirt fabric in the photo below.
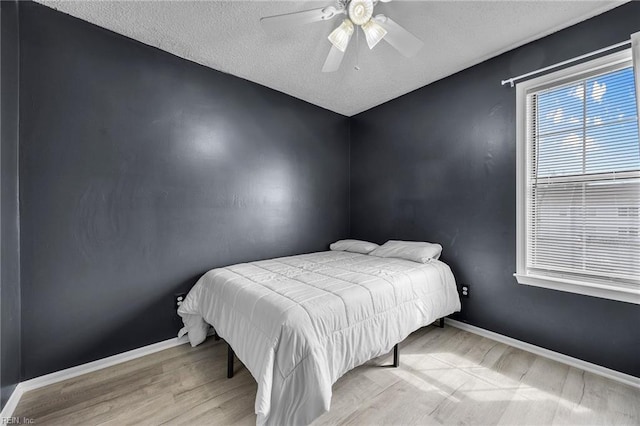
(299, 323)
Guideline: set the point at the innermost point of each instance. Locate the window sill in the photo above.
(588, 289)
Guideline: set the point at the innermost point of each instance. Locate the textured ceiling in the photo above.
(227, 36)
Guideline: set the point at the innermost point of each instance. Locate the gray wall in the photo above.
(139, 171)
(9, 227)
(439, 165)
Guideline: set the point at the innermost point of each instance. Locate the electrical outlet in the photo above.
(465, 290)
(178, 298)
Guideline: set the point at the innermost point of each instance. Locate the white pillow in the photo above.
(416, 251)
(354, 246)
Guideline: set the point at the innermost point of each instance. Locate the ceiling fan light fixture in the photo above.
(340, 36)
(360, 11)
(373, 33)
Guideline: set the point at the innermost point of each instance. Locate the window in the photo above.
(579, 180)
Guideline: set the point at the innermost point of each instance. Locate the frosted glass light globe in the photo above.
(360, 11)
(373, 32)
(340, 36)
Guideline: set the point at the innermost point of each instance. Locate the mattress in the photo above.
(299, 323)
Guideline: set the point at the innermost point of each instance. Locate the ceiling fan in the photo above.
(359, 13)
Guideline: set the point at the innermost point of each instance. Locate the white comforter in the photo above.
(299, 323)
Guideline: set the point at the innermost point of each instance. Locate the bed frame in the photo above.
(231, 355)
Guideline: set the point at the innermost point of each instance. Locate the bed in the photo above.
(299, 323)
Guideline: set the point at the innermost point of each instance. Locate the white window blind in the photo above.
(582, 178)
(635, 43)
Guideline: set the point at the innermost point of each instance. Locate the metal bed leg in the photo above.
(396, 356)
(229, 361)
(441, 322)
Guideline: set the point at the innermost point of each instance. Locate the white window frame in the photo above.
(523, 276)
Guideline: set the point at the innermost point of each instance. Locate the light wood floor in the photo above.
(447, 376)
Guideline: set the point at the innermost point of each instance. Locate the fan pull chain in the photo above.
(357, 67)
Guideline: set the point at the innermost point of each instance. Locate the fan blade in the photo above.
(276, 22)
(333, 61)
(401, 39)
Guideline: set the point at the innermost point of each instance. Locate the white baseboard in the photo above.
(565, 359)
(90, 367)
(11, 404)
(79, 370)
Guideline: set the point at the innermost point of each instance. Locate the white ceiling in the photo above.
(227, 36)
